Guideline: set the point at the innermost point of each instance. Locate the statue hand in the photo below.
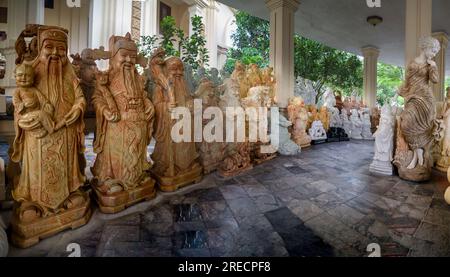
(72, 116)
(431, 63)
(29, 124)
(111, 116)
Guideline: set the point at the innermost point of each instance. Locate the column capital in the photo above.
(442, 37)
(370, 51)
(290, 4)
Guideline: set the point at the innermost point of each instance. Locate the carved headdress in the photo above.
(117, 42)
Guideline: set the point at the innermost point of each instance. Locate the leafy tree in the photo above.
(194, 48)
(169, 32)
(147, 45)
(390, 78)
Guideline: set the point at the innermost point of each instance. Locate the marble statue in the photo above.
(176, 164)
(317, 132)
(298, 115)
(335, 118)
(124, 130)
(357, 125)
(86, 69)
(305, 89)
(313, 115)
(254, 75)
(346, 123)
(190, 79)
(366, 133)
(384, 143)
(329, 99)
(287, 147)
(447, 191)
(443, 162)
(339, 101)
(215, 78)
(211, 153)
(375, 115)
(268, 79)
(417, 123)
(324, 116)
(50, 194)
(240, 75)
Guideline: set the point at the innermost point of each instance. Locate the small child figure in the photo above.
(30, 103)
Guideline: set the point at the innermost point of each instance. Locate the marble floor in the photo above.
(323, 202)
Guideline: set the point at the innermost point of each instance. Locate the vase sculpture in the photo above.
(49, 106)
(124, 130)
(176, 163)
(417, 122)
(298, 116)
(384, 143)
(443, 162)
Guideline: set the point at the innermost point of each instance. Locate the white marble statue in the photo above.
(305, 89)
(357, 124)
(346, 124)
(329, 99)
(287, 147)
(317, 131)
(364, 115)
(258, 97)
(384, 143)
(335, 118)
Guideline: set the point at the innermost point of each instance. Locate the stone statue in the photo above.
(305, 89)
(417, 123)
(215, 78)
(313, 115)
(254, 75)
(298, 115)
(317, 132)
(189, 76)
(268, 79)
(176, 164)
(324, 117)
(86, 69)
(443, 162)
(240, 75)
(357, 125)
(375, 119)
(329, 99)
(237, 160)
(124, 130)
(49, 195)
(211, 153)
(287, 147)
(366, 133)
(346, 124)
(335, 118)
(447, 192)
(384, 143)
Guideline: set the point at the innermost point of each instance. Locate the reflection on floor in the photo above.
(323, 202)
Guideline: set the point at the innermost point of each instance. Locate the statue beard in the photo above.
(180, 88)
(54, 69)
(127, 77)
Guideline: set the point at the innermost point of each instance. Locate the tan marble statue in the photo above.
(176, 164)
(49, 195)
(443, 162)
(324, 116)
(417, 125)
(211, 153)
(254, 75)
(375, 116)
(298, 115)
(447, 192)
(237, 160)
(240, 74)
(124, 130)
(313, 115)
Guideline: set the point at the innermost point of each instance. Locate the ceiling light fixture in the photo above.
(374, 20)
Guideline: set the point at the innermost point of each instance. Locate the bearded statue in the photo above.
(124, 130)
(49, 141)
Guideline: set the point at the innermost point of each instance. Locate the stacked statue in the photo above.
(49, 143)
(176, 164)
(384, 143)
(417, 123)
(443, 162)
(124, 130)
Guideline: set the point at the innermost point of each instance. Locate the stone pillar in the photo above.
(150, 18)
(439, 88)
(370, 55)
(211, 33)
(418, 24)
(282, 14)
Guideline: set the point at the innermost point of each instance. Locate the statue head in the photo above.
(52, 45)
(175, 67)
(123, 52)
(24, 74)
(296, 101)
(430, 47)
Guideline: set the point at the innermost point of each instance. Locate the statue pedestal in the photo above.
(382, 168)
(447, 195)
(171, 184)
(116, 202)
(26, 234)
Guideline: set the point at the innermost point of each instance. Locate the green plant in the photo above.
(194, 51)
(147, 45)
(169, 31)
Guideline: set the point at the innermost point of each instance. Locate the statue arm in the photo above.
(434, 74)
(17, 102)
(78, 107)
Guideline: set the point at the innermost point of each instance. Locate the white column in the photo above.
(282, 14)
(439, 88)
(150, 18)
(418, 24)
(370, 55)
(36, 10)
(211, 32)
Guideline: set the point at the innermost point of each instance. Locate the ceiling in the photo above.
(342, 24)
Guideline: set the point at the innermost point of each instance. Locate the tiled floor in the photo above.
(323, 202)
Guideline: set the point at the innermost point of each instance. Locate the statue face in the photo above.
(125, 58)
(24, 76)
(430, 53)
(54, 51)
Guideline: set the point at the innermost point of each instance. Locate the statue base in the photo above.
(306, 145)
(227, 174)
(443, 163)
(417, 174)
(318, 141)
(209, 168)
(25, 235)
(171, 184)
(260, 160)
(117, 202)
(382, 168)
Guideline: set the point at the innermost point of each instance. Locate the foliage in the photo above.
(169, 32)
(390, 78)
(194, 48)
(447, 82)
(322, 64)
(147, 45)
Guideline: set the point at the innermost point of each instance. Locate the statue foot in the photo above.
(75, 200)
(413, 163)
(29, 212)
(420, 156)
